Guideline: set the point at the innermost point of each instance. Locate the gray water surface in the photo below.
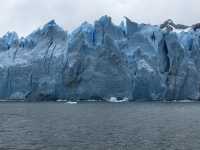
(100, 126)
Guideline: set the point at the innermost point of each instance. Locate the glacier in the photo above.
(102, 60)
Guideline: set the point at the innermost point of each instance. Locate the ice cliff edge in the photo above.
(137, 61)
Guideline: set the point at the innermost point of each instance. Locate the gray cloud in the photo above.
(24, 16)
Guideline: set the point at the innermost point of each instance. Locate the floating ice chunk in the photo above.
(71, 102)
(61, 100)
(115, 100)
(186, 101)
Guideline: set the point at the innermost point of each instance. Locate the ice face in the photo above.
(101, 60)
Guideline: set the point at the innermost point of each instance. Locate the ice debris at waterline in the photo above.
(61, 100)
(97, 61)
(115, 100)
(71, 102)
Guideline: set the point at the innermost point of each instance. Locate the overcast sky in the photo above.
(24, 16)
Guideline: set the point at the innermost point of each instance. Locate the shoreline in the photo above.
(99, 101)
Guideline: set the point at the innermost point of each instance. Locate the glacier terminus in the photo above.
(102, 60)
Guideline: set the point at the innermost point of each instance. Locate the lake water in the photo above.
(100, 126)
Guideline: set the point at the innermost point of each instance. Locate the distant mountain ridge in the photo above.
(100, 61)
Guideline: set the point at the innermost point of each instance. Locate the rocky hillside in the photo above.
(136, 61)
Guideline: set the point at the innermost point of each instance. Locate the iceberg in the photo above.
(115, 100)
(71, 102)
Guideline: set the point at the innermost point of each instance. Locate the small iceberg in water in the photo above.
(61, 100)
(115, 100)
(71, 102)
(186, 101)
(66, 101)
(180, 101)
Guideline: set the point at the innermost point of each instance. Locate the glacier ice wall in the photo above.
(137, 61)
